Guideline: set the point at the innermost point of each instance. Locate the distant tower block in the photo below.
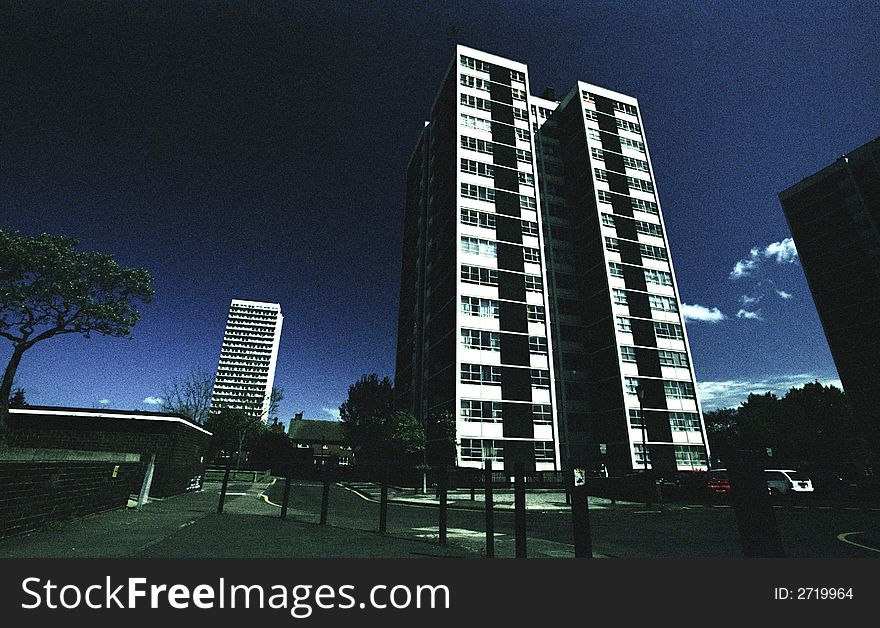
(246, 370)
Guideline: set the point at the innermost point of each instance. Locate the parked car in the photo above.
(717, 482)
(786, 481)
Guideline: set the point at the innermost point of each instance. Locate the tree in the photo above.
(48, 288)
(365, 416)
(190, 395)
(234, 430)
(17, 400)
(275, 399)
(722, 430)
(407, 438)
(441, 449)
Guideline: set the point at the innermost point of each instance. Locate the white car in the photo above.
(784, 481)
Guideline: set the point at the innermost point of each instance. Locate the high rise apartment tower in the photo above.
(537, 293)
(246, 370)
(834, 216)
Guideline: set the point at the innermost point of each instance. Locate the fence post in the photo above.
(325, 497)
(383, 502)
(580, 515)
(755, 519)
(519, 498)
(286, 499)
(225, 484)
(490, 514)
(148, 481)
(443, 481)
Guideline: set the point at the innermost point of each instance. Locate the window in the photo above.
(527, 202)
(612, 244)
(631, 385)
(690, 455)
(678, 390)
(668, 330)
(476, 83)
(624, 324)
(635, 418)
(619, 106)
(587, 96)
(598, 153)
(649, 228)
(518, 94)
(591, 114)
(628, 354)
(619, 297)
(640, 184)
(684, 422)
(477, 246)
(472, 122)
(541, 414)
(534, 283)
(482, 276)
(601, 175)
(480, 374)
(525, 178)
(520, 114)
(472, 143)
(479, 339)
(477, 218)
(659, 277)
(478, 192)
(481, 449)
(482, 411)
(531, 255)
(649, 207)
(635, 164)
(536, 313)
(523, 155)
(477, 103)
(544, 112)
(537, 344)
(474, 64)
(607, 220)
(626, 125)
(477, 167)
(634, 144)
(517, 76)
(662, 304)
(529, 228)
(604, 197)
(673, 358)
(652, 252)
(540, 378)
(523, 134)
(475, 306)
(640, 454)
(544, 451)
(615, 269)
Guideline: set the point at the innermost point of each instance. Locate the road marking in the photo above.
(235, 494)
(463, 533)
(843, 537)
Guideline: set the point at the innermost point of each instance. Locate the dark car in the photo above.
(717, 482)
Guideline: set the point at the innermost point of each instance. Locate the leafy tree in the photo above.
(407, 438)
(17, 400)
(722, 430)
(190, 396)
(365, 416)
(48, 288)
(275, 399)
(235, 430)
(441, 449)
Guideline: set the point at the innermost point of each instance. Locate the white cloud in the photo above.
(702, 313)
(784, 295)
(746, 299)
(153, 401)
(104, 402)
(783, 251)
(731, 393)
(333, 412)
(755, 316)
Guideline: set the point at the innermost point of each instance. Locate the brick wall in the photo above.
(33, 493)
(179, 447)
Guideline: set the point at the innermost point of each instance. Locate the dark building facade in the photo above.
(834, 216)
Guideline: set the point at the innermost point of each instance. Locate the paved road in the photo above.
(680, 532)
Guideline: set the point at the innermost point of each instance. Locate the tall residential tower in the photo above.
(246, 370)
(537, 293)
(834, 216)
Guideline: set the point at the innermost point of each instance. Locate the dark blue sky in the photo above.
(258, 152)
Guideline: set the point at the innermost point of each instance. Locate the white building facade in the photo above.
(246, 369)
(495, 270)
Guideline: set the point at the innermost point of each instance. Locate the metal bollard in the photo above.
(325, 498)
(286, 499)
(490, 513)
(383, 503)
(519, 500)
(225, 484)
(442, 489)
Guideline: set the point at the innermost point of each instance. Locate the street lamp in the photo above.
(640, 392)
